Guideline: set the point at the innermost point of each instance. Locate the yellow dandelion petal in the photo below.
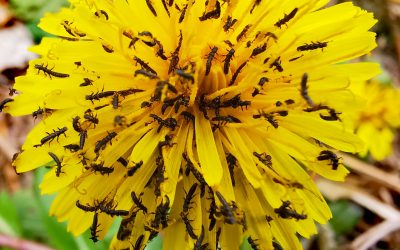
(202, 121)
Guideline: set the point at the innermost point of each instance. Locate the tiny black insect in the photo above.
(166, 143)
(51, 136)
(165, 7)
(255, 92)
(188, 198)
(333, 115)
(87, 207)
(212, 212)
(101, 169)
(232, 163)
(12, 91)
(101, 12)
(215, 13)
(110, 210)
(92, 118)
(198, 244)
(312, 46)
(144, 65)
(87, 82)
(283, 112)
(269, 117)
(295, 58)
(183, 13)
(138, 202)
(243, 33)
(138, 243)
(78, 64)
(145, 104)
(264, 158)
(276, 245)
(129, 91)
(50, 72)
(289, 101)
(101, 144)
(108, 48)
(226, 119)
(226, 209)
(189, 228)
(187, 115)
(262, 81)
(72, 147)
(4, 102)
(168, 122)
(123, 161)
(146, 33)
(93, 228)
(252, 243)
(255, 4)
(101, 106)
(227, 60)
(115, 101)
(58, 162)
(286, 212)
(82, 138)
(304, 90)
(151, 7)
(329, 155)
(160, 51)
(40, 111)
(76, 125)
(258, 50)
(210, 57)
(145, 73)
(229, 23)
(68, 29)
(99, 95)
(286, 18)
(125, 228)
(229, 43)
(133, 42)
(199, 177)
(175, 55)
(161, 214)
(185, 75)
(119, 120)
(277, 64)
(217, 238)
(237, 72)
(236, 102)
(132, 170)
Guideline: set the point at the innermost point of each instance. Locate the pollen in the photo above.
(200, 120)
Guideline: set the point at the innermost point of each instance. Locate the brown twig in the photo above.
(20, 244)
(374, 234)
(391, 223)
(391, 181)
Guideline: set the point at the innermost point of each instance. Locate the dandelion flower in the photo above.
(376, 121)
(203, 120)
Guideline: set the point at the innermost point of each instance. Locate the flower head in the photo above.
(376, 121)
(199, 119)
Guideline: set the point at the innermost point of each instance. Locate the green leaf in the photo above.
(155, 244)
(33, 10)
(10, 223)
(29, 214)
(57, 234)
(245, 245)
(346, 216)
